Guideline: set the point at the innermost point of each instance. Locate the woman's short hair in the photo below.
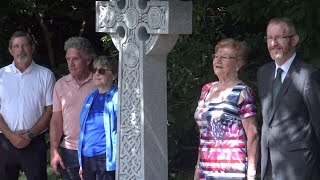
(240, 47)
(106, 62)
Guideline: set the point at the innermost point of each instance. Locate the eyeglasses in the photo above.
(277, 38)
(100, 71)
(222, 57)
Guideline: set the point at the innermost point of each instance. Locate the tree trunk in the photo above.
(47, 37)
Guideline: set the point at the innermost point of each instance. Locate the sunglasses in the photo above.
(100, 71)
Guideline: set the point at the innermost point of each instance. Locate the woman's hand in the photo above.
(196, 173)
(80, 173)
(250, 127)
(251, 173)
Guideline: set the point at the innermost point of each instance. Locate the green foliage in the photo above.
(50, 173)
(108, 45)
(50, 22)
(189, 64)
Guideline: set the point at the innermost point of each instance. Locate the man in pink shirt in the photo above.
(68, 96)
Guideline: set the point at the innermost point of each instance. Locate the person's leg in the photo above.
(101, 173)
(88, 168)
(9, 167)
(109, 175)
(33, 159)
(268, 174)
(71, 163)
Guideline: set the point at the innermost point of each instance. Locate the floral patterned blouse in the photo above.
(222, 149)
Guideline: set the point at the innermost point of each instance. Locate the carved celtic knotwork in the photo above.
(154, 17)
(132, 16)
(131, 36)
(107, 17)
(139, 29)
(130, 54)
(115, 40)
(131, 152)
(150, 43)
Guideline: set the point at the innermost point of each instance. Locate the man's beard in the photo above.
(22, 58)
(277, 56)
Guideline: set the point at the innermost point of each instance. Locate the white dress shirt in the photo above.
(285, 67)
(23, 96)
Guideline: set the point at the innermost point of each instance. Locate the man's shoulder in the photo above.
(6, 68)
(62, 82)
(309, 71)
(303, 68)
(265, 68)
(308, 67)
(42, 71)
(64, 79)
(267, 65)
(42, 68)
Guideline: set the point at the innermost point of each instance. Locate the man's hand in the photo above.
(18, 140)
(24, 135)
(56, 161)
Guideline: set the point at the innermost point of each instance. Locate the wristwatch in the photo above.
(30, 134)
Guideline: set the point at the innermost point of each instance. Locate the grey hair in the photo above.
(240, 47)
(287, 21)
(83, 44)
(107, 62)
(20, 34)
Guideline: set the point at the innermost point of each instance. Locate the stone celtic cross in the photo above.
(144, 32)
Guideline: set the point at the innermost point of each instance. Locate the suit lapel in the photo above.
(268, 87)
(285, 85)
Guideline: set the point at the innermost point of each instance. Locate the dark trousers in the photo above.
(268, 175)
(31, 159)
(94, 168)
(225, 178)
(71, 164)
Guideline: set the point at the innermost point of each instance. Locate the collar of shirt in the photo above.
(285, 67)
(69, 78)
(29, 69)
(111, 91)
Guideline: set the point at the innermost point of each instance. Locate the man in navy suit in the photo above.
(290, 100)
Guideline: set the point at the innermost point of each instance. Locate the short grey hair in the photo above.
(83, 44)
(241, 48)
(20, 34)
(107, 62)
(290, 25)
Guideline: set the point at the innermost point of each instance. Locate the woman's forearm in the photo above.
(253, 154)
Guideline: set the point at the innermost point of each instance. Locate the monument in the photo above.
(144, 32)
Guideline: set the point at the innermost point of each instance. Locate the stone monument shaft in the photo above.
(144, 32)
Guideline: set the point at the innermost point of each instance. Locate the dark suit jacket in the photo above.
(291, 129)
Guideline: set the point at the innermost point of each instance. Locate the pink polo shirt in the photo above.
(68, 97)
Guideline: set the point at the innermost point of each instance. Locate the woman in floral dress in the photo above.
(226, 117)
